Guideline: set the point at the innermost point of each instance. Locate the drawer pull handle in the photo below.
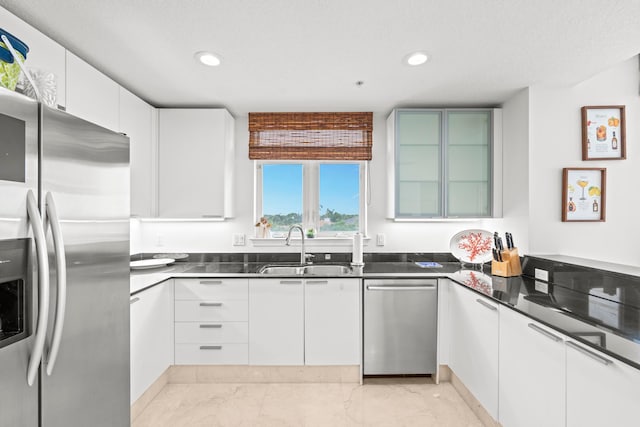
(590, 354)
(210, 304)
(291, 282)
(134, 300)
(211, 326)
(211, 282)
(486, 304)
(401, 288)
(210, 347)
(317, 282)
(544, 332)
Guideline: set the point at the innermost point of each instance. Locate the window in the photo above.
(325, 196)
(443, 163)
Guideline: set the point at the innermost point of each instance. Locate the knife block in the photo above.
(510, 266)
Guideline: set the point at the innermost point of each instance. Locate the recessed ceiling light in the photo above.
(208, 58)
(417, 58)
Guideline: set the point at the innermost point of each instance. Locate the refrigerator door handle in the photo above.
(43, 287)
(51, 214)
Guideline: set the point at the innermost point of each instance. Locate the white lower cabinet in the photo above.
(332, 322)
(276, 322)
(474, 345)
(151, 336)
(526, 374)
(211, 321)
(304, 321)
(601, 391)
(215, 309)
(211, 354)
(532, 373)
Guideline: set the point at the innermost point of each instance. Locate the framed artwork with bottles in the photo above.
(603, 133)
(583, 194)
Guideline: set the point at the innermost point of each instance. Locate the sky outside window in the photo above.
(282, 195)
(339, 197)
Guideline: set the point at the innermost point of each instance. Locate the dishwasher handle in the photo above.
(401, 288)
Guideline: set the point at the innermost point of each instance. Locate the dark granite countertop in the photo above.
(598, 308)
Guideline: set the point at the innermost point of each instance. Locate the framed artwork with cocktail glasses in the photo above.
(603, 133)
(583, 194)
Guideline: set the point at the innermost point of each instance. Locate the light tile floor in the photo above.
(379, 402)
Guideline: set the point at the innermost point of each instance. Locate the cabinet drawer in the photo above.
(190, 289)
(211, 310)
(212, 332)
(212, 354)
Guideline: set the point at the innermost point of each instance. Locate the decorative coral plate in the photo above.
(472, 246)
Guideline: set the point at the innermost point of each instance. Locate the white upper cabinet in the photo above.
(91, 95)
(44, 53)
(137, 119)
(444, 163)
(196, 158)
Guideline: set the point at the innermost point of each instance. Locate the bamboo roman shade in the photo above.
(310, 136)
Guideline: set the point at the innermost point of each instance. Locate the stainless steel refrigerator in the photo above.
(64, 190)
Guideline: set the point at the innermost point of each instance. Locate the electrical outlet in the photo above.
(238, 239)
(542, 287)
(327, 257)
(542, 274)
(380, 240)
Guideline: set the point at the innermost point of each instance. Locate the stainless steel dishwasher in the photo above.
(400, 326)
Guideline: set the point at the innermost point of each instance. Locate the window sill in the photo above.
(474, 219)
(308, 242)
(204, 219)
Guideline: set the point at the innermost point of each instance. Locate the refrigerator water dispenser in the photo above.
(13, 291)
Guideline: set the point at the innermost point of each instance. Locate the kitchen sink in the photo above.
(310, 270)
(285, 270)
(326, 270)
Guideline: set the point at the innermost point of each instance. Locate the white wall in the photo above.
(556, 143)
(516, 130)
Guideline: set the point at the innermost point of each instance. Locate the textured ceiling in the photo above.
(306, 55)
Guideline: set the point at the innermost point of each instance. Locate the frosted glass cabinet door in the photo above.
(469, 163)
(442, 162)
(418, 173)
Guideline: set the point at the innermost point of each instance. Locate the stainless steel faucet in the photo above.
(303, 258)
